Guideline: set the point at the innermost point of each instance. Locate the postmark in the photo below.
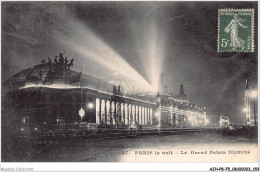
(236, 30)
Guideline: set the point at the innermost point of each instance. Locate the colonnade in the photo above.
(172, 114)
(111, 112)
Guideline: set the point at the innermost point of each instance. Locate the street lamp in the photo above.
(81, 113)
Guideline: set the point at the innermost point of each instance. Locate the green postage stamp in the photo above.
(236, 30)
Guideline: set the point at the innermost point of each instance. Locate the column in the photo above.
(99, 115)
(126, 121)
(110, 113)
(105, 111)
(138, 114)
(124, 113)
(97, 110)
(135, 114)
(171, 114)
(131, 114)
(174, 119)
(148, 115)
(103, 105)
(119, 112)
(143, 115)
(114, 116)
(174, 116)
(151, 116)
(159, 115)
(128, 113)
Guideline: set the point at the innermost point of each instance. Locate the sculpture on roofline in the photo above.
(60, 61)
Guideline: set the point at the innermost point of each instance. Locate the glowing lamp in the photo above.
(90, 105)
(157, 114)
(253, 94)
(245, 109)
(81, 113)
(24, 120)
(231, 127)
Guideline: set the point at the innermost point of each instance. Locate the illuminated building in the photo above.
(223, 121)
(177, 112)
(52, 93)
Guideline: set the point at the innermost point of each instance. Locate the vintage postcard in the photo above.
(123, 81)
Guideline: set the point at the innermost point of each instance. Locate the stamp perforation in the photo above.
(252, 28)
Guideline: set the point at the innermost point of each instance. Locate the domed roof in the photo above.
(45, 73)
(56, 73)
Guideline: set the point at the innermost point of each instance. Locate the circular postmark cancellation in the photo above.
(235, 30)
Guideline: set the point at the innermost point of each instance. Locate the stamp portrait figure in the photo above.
(232, 28)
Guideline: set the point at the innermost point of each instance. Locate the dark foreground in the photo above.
(130, 149)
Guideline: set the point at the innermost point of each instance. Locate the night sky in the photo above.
(186, 41)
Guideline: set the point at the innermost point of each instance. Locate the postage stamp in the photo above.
(236, 30)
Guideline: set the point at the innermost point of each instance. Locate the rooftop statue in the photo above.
(43, 61)
(66, 61)
(60, 61)
(70, 64)
(49, 60)
(55, 60)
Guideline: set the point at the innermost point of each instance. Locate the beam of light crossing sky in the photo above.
(155, 57)
(82, 40)
(150, 46)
